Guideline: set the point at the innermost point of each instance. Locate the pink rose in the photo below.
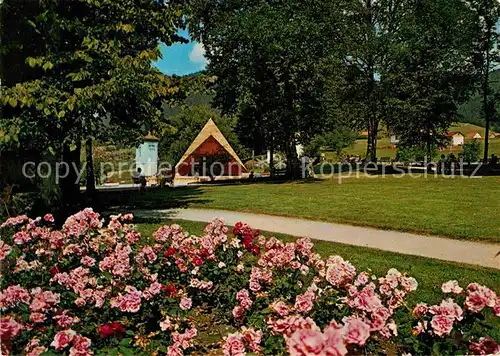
(303, 303)
(419, 310)
(62, 339)
(5, 250)
(81, 346)
(479, 297)
(448, 308)
(362, 279)
(37, 318)
(166, 324)
(48, 218)
(496, 308)
(442, 325)
(385, 289)
(238, 312)
(334, 341)
(485, 346)
(87, 261)
(409, 284)
(356, 332)
(243, 296)
(174, 350)
(80, 302)
(186, 303)
(37, 305)
(305, 342)
(475, 302)
(9, 328)
(253, 338)
(233, 345)
(280, 307)
(254, 286)
(451, 287)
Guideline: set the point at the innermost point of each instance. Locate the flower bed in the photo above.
(96, 288)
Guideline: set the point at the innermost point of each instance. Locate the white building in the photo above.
(146, 156)
(457, 138)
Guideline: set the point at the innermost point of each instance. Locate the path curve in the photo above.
(469, 252)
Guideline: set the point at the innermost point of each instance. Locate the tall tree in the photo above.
(486, 57)
(96, 76)
(362, 87)
(430, 73)
(267, 57)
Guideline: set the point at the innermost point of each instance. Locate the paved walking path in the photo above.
(411, 244)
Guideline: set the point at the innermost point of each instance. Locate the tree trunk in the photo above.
(70, 186)
(486, 109)
(372, 119)
(486, 91)
(90, 168)
(292, 161)
(429, 155)
(271, 158)
(371, 147)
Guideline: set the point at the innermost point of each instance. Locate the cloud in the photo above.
(197, 54)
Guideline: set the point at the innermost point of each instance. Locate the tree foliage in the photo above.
(470, 151)
(95, 70)
(486, 14)
(268, 59)
(91, 76)
(428, 81)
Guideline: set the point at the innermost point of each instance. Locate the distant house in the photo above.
(457, 138)
(474, 135)
(494, 135)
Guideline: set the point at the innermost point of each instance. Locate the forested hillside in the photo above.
(471, 110)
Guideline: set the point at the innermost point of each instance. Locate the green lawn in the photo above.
(429, 273)
(384, 148)
(457, 208)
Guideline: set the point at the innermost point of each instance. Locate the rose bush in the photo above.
(101, 288)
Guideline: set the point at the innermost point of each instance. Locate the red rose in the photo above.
(197, 261)
(255, 250)
(54, 270)
(117, 327)
(204, 252)
(237, 228)
(105, 330)
(169, 290)
(169, 252)
(248, 242)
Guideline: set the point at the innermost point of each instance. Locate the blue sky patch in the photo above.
(182, 59)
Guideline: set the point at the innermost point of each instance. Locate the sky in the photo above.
(182, 59)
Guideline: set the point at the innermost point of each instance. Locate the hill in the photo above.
(470, 112)
(467, 128)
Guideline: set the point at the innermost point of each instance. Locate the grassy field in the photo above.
(385, 149)
(429, 273)
(358, 148)
(457, 208)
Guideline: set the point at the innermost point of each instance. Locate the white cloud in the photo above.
(197, 54)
